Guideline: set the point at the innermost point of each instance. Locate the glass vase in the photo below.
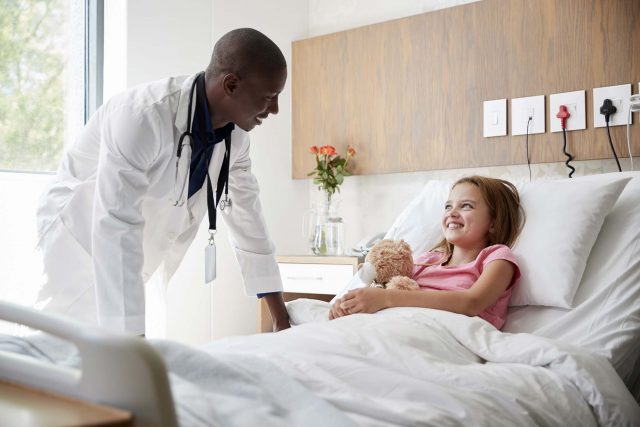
(328, 232)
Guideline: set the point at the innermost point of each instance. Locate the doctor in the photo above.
(150, 164)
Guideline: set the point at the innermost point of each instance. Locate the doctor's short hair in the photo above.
(505, 210)
(244, 51)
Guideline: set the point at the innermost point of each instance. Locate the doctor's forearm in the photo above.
(279, 315)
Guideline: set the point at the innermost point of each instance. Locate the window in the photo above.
(50, 75)
(42, 81)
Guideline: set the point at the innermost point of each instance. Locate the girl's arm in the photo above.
(493, 281)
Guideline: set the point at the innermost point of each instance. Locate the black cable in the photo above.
(613, 150)
(569, 156)
(527, 144)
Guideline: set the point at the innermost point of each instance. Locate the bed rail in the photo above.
(122, 371)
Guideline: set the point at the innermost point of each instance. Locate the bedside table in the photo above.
(310, 276)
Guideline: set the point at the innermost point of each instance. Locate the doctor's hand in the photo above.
(281, 325)
(364, 300)
(278, 311)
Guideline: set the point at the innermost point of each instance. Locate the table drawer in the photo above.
(315, 278)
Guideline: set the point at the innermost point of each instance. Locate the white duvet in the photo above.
(398, 367)
(401, 366)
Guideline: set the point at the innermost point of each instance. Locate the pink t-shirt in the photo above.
(462, 277)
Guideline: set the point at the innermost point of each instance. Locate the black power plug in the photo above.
(607, 109)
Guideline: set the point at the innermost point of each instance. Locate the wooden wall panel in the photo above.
(408, 94)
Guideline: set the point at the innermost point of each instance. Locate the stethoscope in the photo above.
(181, 142)
(188, 133)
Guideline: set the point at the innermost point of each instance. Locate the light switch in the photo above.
(575, 103)
(495, 118)
(619, 96)
(522, 109)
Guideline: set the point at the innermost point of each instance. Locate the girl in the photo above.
(471, 271)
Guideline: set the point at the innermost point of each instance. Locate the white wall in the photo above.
(338, 15)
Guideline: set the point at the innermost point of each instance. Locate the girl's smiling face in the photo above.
(466, 221)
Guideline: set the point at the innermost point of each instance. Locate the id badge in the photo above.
(210, 262)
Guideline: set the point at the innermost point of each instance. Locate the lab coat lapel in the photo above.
(183, 104)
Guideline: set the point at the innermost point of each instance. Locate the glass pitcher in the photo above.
(323, 228)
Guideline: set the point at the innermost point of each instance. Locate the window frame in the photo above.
(94, 56)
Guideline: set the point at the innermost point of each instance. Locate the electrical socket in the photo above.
(575, 103)
(619, 96)
(522, 109)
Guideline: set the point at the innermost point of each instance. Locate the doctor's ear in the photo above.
(230, 83)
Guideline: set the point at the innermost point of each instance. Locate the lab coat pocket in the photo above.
(77, 215)
(68, 269)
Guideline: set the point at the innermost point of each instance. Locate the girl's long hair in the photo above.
(505, 210)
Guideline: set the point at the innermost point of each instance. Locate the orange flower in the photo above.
(331, 168)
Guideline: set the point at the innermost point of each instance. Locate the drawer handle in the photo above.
(303, 278)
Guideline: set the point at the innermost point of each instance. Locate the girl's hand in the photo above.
(336, 311)
(364, 300)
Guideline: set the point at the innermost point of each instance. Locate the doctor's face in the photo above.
(255, 97)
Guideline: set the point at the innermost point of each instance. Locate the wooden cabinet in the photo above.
(308, 276)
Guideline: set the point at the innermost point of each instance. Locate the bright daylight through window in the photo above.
(41, 79)
(42, 102)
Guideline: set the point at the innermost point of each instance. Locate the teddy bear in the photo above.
(393, 265)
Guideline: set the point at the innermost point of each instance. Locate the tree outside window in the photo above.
(35, 57)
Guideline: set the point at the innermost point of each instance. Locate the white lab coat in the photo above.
(108, 220)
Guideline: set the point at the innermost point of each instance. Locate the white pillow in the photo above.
(419, 223)
(563, 221)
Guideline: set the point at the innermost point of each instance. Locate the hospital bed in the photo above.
(552, 365)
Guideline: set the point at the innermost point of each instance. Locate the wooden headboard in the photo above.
(408, 93)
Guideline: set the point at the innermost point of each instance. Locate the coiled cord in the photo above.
(566, 153)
